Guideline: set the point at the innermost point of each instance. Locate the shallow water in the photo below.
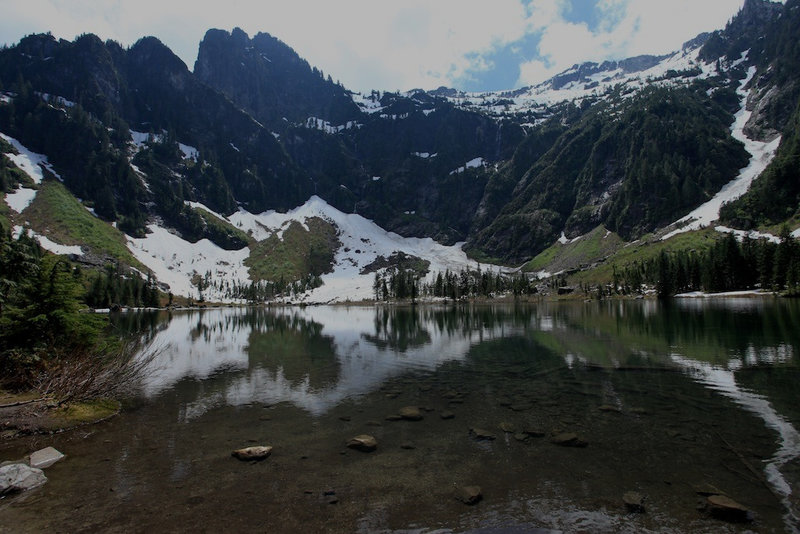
(668, 398)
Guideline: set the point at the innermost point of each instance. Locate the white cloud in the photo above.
(386, 45)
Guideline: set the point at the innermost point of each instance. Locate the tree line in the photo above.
(728, 265)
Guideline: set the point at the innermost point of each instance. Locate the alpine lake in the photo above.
(602, 416)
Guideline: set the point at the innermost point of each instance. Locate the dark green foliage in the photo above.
(40, 302)
(728, 265)
(407, 284)
(113, 286)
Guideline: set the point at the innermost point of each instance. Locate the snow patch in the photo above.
(20, 199)
(48, 244)
(471, 164)
(28, 161)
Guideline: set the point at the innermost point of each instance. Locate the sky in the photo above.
(396, 45)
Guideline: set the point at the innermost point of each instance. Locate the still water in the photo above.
(671, 400)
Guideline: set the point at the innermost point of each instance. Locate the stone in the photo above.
(634, 502)
(447, 415)
(481, 434)
(16, 478)
(521, 407)
(707, 490)
(44, 458)
(394, 417)
(725, 508)
(521, 436)
(508, 428)
(608, 408)
(410, 413)
(568, 439)
(257, 453)
(469, 494)
(408, 446)
(363, 443)
(535, 433)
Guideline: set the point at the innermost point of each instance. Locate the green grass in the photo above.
(594, 246)
(644, 249)
(301, 252)
(58, 215)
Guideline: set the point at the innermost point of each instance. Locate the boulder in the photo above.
(363, 443)
(17, 478)
(410, 413)
(252, 453)
(508, 428)
(44, 458)
(469, 494)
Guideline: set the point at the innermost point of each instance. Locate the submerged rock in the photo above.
(568, 439)
(447, 415)
(44, 458)
(410, 413)
(725, 508)
(481, 434)
(16, 478)
(363, 443)
(469, 494)
(508, 428)
(634, 502)
(252, 453)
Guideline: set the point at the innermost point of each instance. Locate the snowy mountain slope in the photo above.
(178, 263)
(589, 81)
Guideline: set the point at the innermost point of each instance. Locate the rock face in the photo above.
(17, 478)
(44, 458)
(469, 494)
(363, 443)
(252, 453)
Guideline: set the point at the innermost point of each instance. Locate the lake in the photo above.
(671, 401)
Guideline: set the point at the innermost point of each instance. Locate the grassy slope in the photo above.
(58, 215)
(300, 252)
(610, 250)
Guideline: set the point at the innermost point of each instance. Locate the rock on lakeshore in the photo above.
(16, 478)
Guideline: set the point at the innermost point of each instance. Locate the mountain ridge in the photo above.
(633, 145)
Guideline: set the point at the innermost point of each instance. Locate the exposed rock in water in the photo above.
(479, 433)
(727, 509)
(16, 478)
(469, 494)
(634, 502)
(258, 452)
(410, 413)
(363, 443)
(44, 458)
(568, 439)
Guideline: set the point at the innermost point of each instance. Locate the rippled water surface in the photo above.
(670, 400)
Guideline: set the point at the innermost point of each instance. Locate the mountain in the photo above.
(650, 145)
